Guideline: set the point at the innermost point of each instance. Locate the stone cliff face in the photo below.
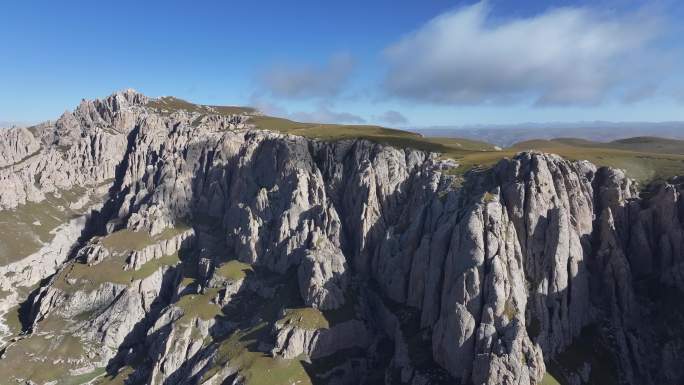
(220, 252)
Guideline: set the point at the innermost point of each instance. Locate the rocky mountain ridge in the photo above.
(208, 251)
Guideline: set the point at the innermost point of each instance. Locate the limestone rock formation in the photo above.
(322, 275)
(214, 252)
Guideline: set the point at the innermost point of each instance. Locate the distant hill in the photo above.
(8, 124)
(507, 135)
(649, 144)
(644, 158)
(660, 145)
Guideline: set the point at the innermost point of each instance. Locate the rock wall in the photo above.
(503, 272)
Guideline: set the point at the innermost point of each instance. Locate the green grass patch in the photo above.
(24, 230)
(398, 138)
(82, 277)
(648, 144)
(233, 270)
(151, 266)
(199, 306)
(118, 379)
(255, 317)
(305, 318)
(233, 110)
(84, 378)
(644, 165)
(548, 379)
(170, 104)
(42, 358)
(12, 320)
(256, 367)
(125, 240)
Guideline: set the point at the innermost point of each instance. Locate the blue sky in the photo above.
(398, 63)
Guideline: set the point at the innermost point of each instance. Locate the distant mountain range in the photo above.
(10, 123)
(507, 135)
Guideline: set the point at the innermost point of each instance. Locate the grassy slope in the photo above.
(53, 350)
(111, 269)
(170, 104)
(26, 228)
(254, 317)
(643, 160)
(549, 380)
(639, 144)
(125, 240)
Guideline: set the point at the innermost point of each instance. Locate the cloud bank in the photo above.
(324, 115)
(321, 113)
(565, 56)
(302, 82)
(392, 117)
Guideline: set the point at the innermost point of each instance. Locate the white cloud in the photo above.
(392, 117)
(320, 114)
(307, 81)
(563, 56)
(678, 95)
(324, 115)
(639, 93)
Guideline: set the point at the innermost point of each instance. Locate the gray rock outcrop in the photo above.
(477, 283)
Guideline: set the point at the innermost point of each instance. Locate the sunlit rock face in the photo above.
(189, 247)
